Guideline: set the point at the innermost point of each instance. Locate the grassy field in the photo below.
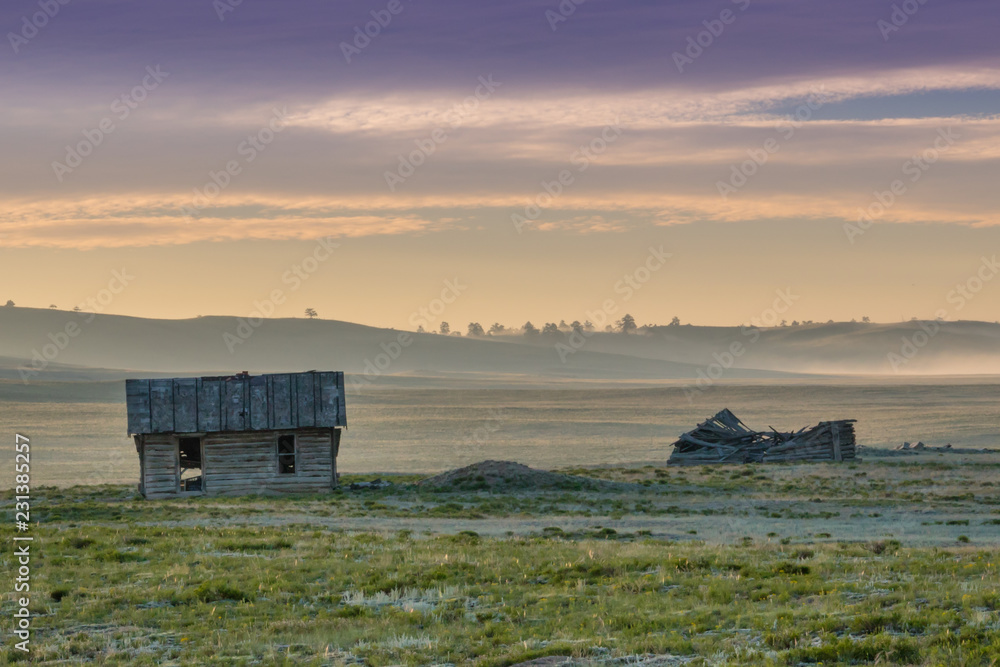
(897, 564)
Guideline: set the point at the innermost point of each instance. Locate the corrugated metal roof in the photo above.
(236, 403)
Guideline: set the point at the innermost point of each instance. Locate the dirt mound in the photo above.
(507, 475)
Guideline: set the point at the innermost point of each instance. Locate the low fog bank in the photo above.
(40, 344)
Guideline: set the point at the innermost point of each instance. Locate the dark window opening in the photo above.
(189, 458)
(286, 454)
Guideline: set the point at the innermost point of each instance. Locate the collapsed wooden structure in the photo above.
(724, 438)
(239, 434)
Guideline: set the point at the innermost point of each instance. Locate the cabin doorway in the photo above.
(191, 478)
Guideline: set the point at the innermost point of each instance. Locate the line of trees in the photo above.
(625, 325)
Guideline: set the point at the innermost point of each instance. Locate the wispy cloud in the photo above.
(347, 124)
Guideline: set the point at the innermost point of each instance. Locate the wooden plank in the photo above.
(153, 477)
(235, 410)
(137, 403)
(259, 411)
(161, 400)
(342, 408)
(305, 400)
(271, 477)
(837, 456)
(334, 450)
(209, 405)
(328, 406)
(282, 406)
(695, 441)
(155, 495)
(185, 405)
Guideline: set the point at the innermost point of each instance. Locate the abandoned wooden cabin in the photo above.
(245, 433)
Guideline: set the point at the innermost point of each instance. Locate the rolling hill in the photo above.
(70, 345)
(63, 344)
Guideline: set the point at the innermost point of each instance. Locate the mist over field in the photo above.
(53, 344)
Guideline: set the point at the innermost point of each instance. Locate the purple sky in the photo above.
(884, 97)
(274, 48)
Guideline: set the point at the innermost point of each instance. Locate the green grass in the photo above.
(316, 597)
(518, 575)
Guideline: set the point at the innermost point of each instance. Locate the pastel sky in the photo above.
(423, 152)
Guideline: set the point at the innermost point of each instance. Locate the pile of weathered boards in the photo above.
(725, 439)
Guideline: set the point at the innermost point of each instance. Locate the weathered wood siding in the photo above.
(247, 462)
(236, 403)
(243, 462)
(159, 466)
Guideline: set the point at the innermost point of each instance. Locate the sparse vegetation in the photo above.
(283, 581)
(275, 594)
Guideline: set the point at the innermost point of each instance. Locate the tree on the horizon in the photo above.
(866, 319)
(52, 305)
(445, 329)
(626, 324)
(674, 321)
(576, 326)
(475, 329)
(420, 329)
(9, 304)
(588, 325)
(497, 329)
(529, 329)
(311, 313)
(550, 328)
